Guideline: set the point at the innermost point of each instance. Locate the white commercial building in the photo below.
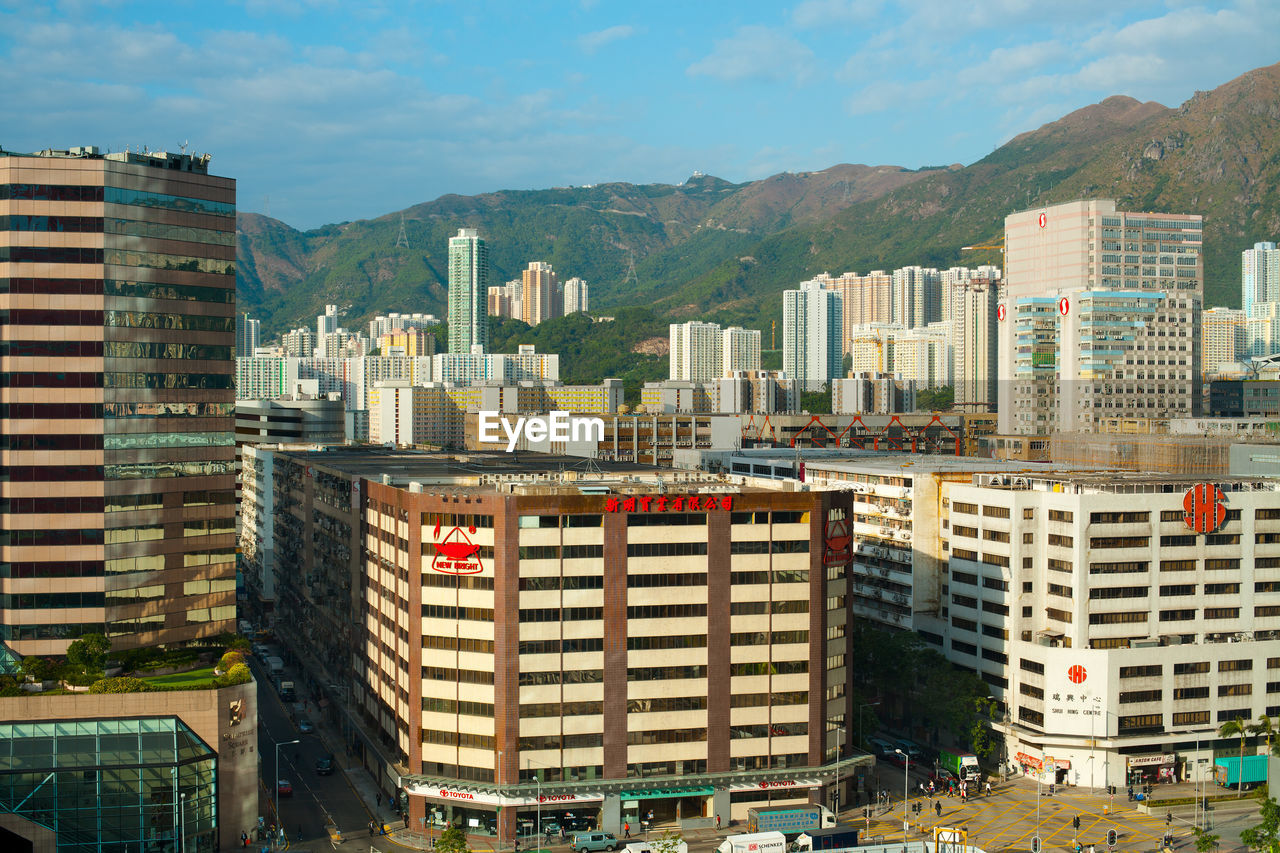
(696, 352)
(1119, 618)
(1259, 276)
(1101, 317)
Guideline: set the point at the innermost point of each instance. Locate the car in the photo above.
(284, 788)
(589, 842)
(880, 748)
(911, 749)
(551, 827)
(305, 726)
(324, 765)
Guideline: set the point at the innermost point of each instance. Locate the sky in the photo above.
(328, 111)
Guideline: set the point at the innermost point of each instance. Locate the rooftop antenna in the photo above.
(402, 239)
(184, 145)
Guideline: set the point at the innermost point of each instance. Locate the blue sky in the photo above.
(337, 110)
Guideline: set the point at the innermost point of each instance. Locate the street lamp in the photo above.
(276, 784)
(906, 775)
(182, 822)
(537, 782)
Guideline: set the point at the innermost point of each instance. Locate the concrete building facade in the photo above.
(468, 289)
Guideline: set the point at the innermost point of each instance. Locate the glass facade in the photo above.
(115, 786)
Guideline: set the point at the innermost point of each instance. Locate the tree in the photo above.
(1205, 841)
(89, 652)
(1266, 835)
(1266, 727)
(935, 399)
(453, 840)
(1231, 728)
(39, 669)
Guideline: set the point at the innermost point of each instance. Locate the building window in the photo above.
(1058, 615)
(1061, 541)
(995, 511)
(1119, 517)
(1119, 592)
(1131, 697)
(1222, 589)
(1244, 665)
(1030, 716)
(1172, 515)
(1031, 666)
(1222, 613)
(1238, 714)
(1177, 615)
(1030, 690)
(1190, 718)
(1178, 541)
(1141, 671)
(1060, 515)
(1177, 565)
(1182, 694)
(1139, 722)
(1235, 689)
(1197, 668)
(1121, 618)
(1120, 541)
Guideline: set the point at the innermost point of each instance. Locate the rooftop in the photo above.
(182, 162)
(522, 471)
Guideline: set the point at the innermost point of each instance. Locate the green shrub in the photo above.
(238, 674)
(40, 669)
(229, 660)
(120, 684)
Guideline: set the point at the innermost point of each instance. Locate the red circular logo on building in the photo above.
(1000, 313)
(1042, 220)
(1077, 674)
(1205, 512)
(1064, 306)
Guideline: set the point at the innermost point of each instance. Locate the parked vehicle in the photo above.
(305, 726)
(284, 788)
(911, 748)
(790, 820)
(287, 692)
(275, 665)
(880, 748)
(755, 842)
(593, 841)
(827, 838)
(1232, 773)
(963, 764)
(324, 765)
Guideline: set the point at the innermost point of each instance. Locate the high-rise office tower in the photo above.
(1259, 276)
(247, 336)
(812, 328)
(468, 290)
(117, 501)
(540, 295)
(696, 352)
(974, 344)
(1101, 317)
(119, 306)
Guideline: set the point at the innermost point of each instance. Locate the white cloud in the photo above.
(757, 53)
(591, 42)
(811, 14)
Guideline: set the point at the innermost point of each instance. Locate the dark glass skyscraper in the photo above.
(117, 332)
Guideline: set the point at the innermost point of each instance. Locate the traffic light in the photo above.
(1168, 818)
(1035, 844)
(1075, 822)
(1111, 838)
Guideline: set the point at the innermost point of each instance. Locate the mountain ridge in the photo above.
(718, 250)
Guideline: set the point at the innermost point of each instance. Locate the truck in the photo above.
(754, 842)
(827, 838)
(288, 693)
(275, 665)
(791, 820)
(963, 764)
(1232, 772)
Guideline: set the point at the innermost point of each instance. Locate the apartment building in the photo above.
(1225, 340)
(812, 328)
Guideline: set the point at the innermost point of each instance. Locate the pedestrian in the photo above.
(244, 839)
(371, 827)
(378, 799)
(298, 837)
(937, 806)
(717, 823)
(626, 829)
(987, 790)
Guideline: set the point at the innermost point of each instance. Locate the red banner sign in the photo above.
(662, 503)
(455, 554)
(1205, 512)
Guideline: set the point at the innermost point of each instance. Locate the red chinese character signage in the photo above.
(1042, 220)
(664, 503)
(1205, 512)
(1064, 306)
(456, 553)
(1077, 674)
(1000, 312)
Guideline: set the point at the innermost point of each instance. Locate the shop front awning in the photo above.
(667, 793)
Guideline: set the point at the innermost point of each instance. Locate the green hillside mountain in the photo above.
(672, 234)
(716, 250)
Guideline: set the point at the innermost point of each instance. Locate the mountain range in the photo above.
(716, 250)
